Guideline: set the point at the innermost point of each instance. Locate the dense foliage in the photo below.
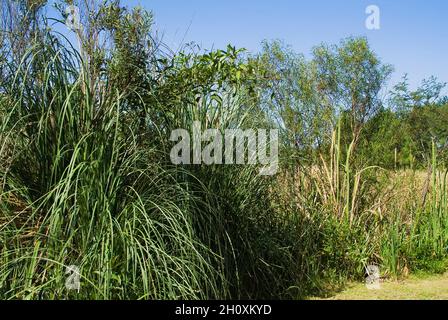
(86, 178)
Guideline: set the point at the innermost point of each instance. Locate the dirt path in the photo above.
(427, 288)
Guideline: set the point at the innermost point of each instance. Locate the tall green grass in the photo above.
(349, 216)
(78, 190)
(82, 183)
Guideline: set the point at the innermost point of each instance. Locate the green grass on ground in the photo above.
(414, 288)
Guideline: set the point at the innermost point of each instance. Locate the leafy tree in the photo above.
(383, 142)
(424, 116)
(351, 77)
(402, 99)
(290, 96)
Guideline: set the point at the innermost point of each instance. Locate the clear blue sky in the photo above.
(413, 35)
